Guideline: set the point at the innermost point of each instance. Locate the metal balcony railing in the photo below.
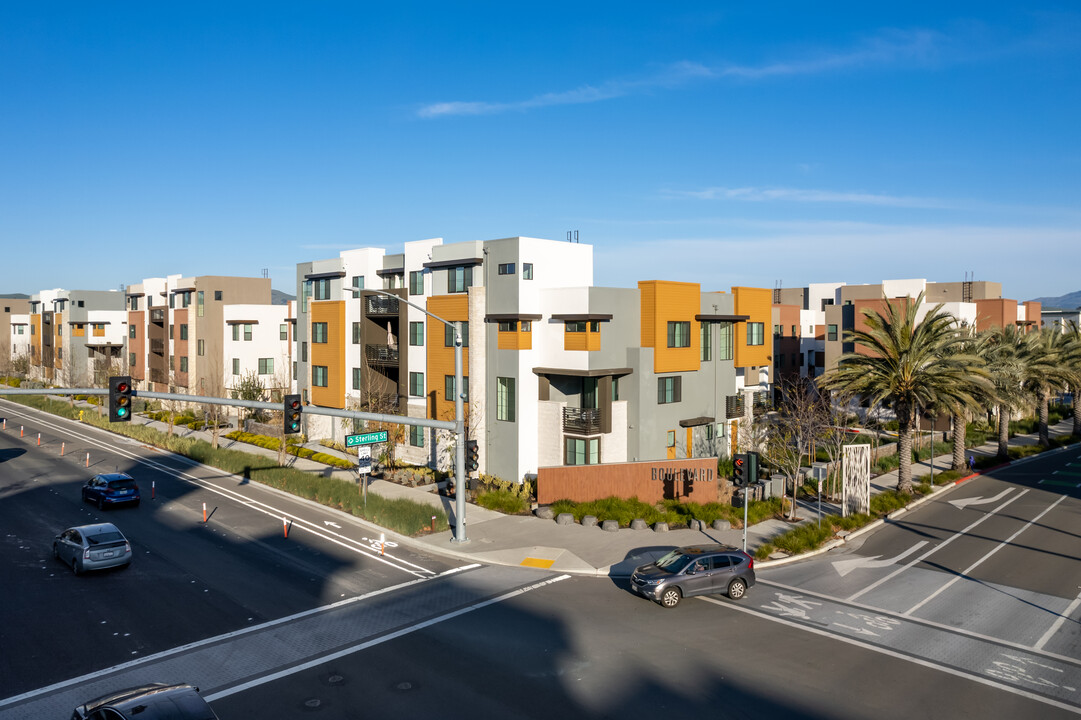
(381, 354)
(733, 406)
(157, 315)
(583, 421)
(380, 305)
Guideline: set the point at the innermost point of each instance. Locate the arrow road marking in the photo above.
(843, 567)
(332, 524)
(978, 500)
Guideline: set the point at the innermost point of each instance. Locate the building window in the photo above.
(59, 330)
(199, 304)
(416, 333)
(319, 332)
(416, 436)
(356, 333)
(358, 282)
(356, 378)
(669, 389)
(131, 331)
(527, 326)
(778, 330)
(319, 375)
(527, 271)
(448, 335)
(506, 268)
(707, 341)
(266, 366)
(247, 333)
(217, 295)
(416, 384)
(459, 278)
(416, 282)
(508, 326)
(578, 326)
(670, 441)
(184, 331)
(305, 296)
(60, 353)
(236, 333)
(236, 366)
(201, 345)
(183, 363)
(679, 334)
(583, 451)
(321, 289)
(795, 330)
(831, 332)
(303, 352)
(504, 399)
(725, 341)
(283, 332)
(448, 387)
(131, 359)
(756, 333)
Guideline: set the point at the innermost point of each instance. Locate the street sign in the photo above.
(364, 459)
(366, 438)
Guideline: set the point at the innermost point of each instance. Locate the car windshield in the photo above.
(674, 561)
(105, 537)
(125, 484)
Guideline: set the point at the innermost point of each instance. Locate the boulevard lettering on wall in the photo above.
(687, 474)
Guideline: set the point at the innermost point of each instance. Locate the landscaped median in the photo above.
(401, 516)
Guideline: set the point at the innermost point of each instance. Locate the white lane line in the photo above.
(936, 548)
(973, 566)
(211, 697)
(901, 656)
(258, 506)
(97, 674)
(1057, 624)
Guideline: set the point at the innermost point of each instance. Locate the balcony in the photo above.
(380, 305)
(159, 376)
(733, 406)
(582, 421)
(157, 315)
(157, 347)
(381, 354)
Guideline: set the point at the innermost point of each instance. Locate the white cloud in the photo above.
(754, 194)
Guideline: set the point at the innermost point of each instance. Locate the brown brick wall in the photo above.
(693, 479)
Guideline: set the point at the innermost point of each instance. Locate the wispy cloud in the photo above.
(888, 48)
(754, 194)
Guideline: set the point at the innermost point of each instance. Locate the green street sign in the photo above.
(366, 438)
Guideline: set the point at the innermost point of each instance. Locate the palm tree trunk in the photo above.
(904, 454)
(959, 429)
(1003, 432)
(1042, 401)
(1077, 412)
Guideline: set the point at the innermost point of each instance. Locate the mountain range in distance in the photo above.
(1062, 302)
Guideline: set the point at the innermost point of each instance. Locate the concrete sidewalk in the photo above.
(495, 538)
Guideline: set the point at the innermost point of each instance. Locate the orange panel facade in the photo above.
(665, 302)
(757, 303)
(330, 354)
(452, 308)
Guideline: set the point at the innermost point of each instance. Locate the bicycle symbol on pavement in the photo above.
(379, 545)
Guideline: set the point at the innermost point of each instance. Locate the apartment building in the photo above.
(556, 371)
(14, 331)
(76, 336)
(177, 330)
(826, 311)
(259, 341)
(1060, 320)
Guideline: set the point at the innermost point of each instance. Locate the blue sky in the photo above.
(727, 143)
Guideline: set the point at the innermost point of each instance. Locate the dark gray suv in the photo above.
(695, 570)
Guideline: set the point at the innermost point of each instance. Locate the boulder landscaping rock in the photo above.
(639, 524)
(544, 512)
(610, 525)
(660, 527)
(589, 521)
(721, 525)
(565, 519)
(694, 525)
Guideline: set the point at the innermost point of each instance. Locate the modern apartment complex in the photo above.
(556, 371)
(14, 331)
(76, 336)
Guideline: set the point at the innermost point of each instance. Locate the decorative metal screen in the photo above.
(856, 464)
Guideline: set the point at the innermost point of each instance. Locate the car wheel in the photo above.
(671, 597)
(56, 551)
(737, 589)
(101, 503)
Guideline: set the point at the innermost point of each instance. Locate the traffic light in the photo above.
(752, 467)
(739, 470)
(120, 399)
(292, 415)
(472, 455)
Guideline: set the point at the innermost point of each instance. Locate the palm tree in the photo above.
(1045, 372)
(1072, 363)
(1003, 351)
(960, 412)
(908, 365)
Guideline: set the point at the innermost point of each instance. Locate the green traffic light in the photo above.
(122, 412)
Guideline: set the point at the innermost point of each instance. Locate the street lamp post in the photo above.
(459, 419)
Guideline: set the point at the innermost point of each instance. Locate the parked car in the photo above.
(695, 570)
(111, 489)
(92, 547)
(156, 701)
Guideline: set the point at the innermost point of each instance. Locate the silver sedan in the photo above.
(92, 547)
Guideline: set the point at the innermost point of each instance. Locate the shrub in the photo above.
(508, 502)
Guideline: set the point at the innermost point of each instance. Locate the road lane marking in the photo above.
(307, 665)
(973, 566)
(1057, 624)
(252, 503)
(226, 636)
(843, 567)
(944, 543)
(978, 500)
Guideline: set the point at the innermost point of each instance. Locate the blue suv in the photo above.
(111, 489)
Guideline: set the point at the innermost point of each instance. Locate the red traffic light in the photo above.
(122, 387)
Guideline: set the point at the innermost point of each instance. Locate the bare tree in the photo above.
(792, 431)
(213, 385)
